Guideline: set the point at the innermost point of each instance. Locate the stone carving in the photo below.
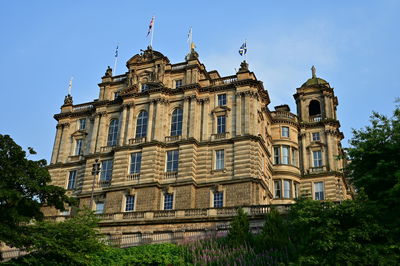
(313, 72)
(68, 100)
(108, 73)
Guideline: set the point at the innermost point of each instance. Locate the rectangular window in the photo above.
(82, 124)
(277, 189)
(172, 161)
(221, 99)
(136, 162)
(218, 199)
(319, 191)
(116, 95)
(106, 170)
(130, 203)
(317, 156)
(296, 190)
(145, 87)
(219, 159)
(315, 136)
(285, 154)
(221, 124)
(287, 189)
(78, 148)
(99, 207)
(294, 157)
(168, 201)
(71, 180)
(178, 83)
(277, 155)
(285, 132)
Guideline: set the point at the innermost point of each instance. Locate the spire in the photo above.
(313, 72)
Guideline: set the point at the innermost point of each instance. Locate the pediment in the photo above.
(79, 133)
(221, 109)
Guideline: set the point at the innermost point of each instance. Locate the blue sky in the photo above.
(353, 44)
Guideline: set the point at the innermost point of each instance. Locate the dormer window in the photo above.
(178, 83)
(145, 87)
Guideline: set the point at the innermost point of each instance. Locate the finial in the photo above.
(70, 85)
(313, 72)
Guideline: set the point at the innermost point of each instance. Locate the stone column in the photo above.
(191, 119)
(185, 120)
(102, 134)
(206, 118)
(64, 145)
(129, 133)
(247, 111)
(95, 131)
(151, 122)
(123, 125)
(57, 140)
(238, 111)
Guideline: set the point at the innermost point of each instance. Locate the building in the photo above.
(180, 147)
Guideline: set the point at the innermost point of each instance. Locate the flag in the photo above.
(150, 26)
(243, 49)
(189, 39)
(116, 52)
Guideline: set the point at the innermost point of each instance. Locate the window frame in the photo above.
(221, 124)
(287, 190)
(78, 147)
(81, 122)
(317, 160)
(106, 168)
(218, 199)
(72, 176)
(220, 159)
(130, 201)
(314, 138)
(277, 189)
(172, 161)
(113, 130)
(319, 194)
(176, 122)
(178, 83)
(285, 156)
(142, 123)
(168, 203)
(222, 99)
(99, 211)
(136, 162)
(285, 132)
(277, 154)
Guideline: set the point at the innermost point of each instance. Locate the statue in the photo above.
(313, 72)
(108, 72)
(68, 100)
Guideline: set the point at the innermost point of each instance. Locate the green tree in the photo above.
(239, 232)
(275, 232)
(375, 166)
(24, 189)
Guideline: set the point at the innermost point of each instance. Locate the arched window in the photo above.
(314, 108)
(176, 122)
(141, 125)
(112, 133)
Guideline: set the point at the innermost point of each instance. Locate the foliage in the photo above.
(375, 167)
(239, 232)
(24, 190)
(72, 242)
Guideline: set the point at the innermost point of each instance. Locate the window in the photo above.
(285, 132)
(277, 155)
(317, 156)
(319, 191)
(99, 207)
(145, 87)
(176, 122)
(314, 108)
(141, 125)
(294, 157)
(178, 83)
(112, 133)
(218, 199)
(172, 161)
(287, 189)
(296, 190)
(106, 170)
(78, 148)
(315, 136)
(168, 201)
(219, 159)
(221, 99)
(136, 162)
(221, 124)
(116, 95)
(71, 180)
(277, 189)
(285, 154)
(130, 203)
(82, 124)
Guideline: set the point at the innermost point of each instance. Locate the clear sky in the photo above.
(353, 44)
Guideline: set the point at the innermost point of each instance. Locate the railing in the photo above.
(82, 107)
(106, 149)
(283, 114)
(173, 138)
(104, 183)
(137, 140)
(224, 80)
(134, 176)
(170, 175)
(105, 216)
(317, 169)
(119, 78)
(256, 210)
(164, 214)
(178, 66)
(196, 212)
(133, 215)
(223, 135)
(315, 118)
(227, 211)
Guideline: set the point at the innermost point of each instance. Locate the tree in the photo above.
(239, 232)
(24, 189)
(375, 167)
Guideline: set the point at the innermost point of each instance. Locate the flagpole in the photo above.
(152, 31)
(115, 62)
(245, 54)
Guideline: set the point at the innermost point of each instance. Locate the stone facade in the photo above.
(177, 140)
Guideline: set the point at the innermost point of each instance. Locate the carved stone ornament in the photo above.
(108, 73)
(68, 100)
(244, 67)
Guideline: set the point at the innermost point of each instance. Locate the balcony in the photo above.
(315, 118)
(103, 183)
(319, 169)
(134, 176)
(137, 140)
(171, 175)
(219, 136)
(224, 80)
(75, 158)
(173, 138)
(106, 149)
